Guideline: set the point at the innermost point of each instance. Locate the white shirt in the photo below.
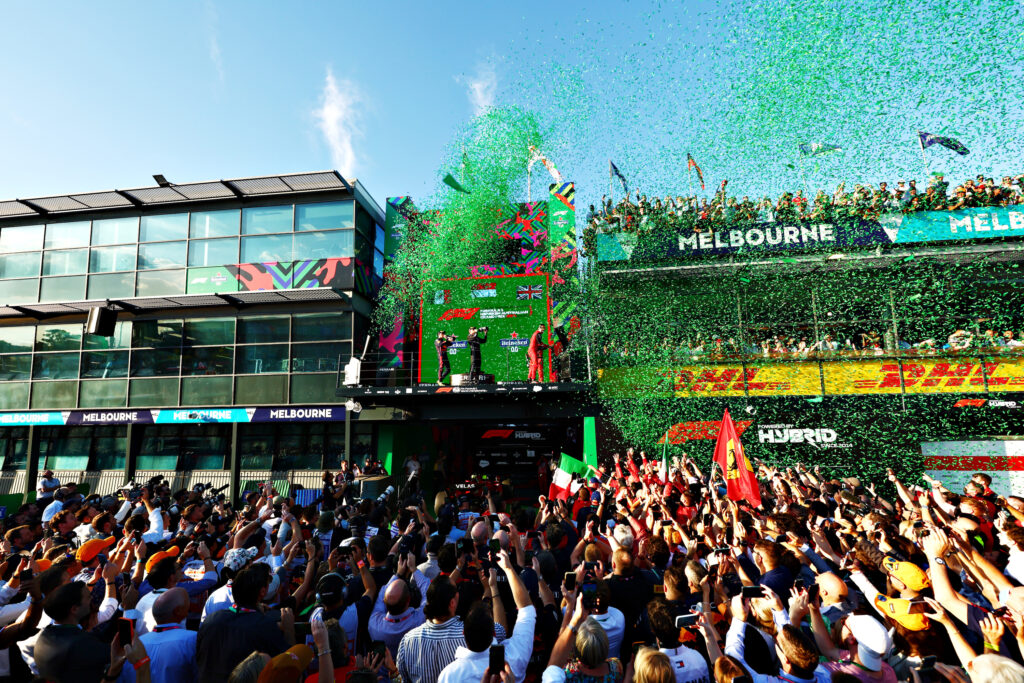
(469, 666)
(43, 481)
(389, 627)
(688, 665)
(614, 625)
(51, 510)
(1015, 567)
(172, 656)
(552, 674)
(430, 568)
(143, 612)
(218, 600)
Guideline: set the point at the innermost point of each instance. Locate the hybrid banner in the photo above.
(924, 226)
(174, 416)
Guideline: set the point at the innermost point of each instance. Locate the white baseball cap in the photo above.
(873, 641)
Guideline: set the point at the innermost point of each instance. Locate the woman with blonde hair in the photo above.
(581, 652)
(650, 666)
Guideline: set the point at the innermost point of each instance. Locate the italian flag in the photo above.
(563, 486)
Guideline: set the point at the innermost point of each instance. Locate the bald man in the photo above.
(834, 593)
(397, 611)
(170, 646)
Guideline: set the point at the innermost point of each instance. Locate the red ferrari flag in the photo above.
(740, 480)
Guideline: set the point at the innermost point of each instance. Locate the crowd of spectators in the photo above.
(638, 214)
(637, 573)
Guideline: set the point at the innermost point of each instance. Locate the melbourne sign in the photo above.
(896, 228)
(176, 416)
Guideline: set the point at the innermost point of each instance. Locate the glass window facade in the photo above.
(266, 219)
(196, 361)
(111, 286)
(215, 252)
(266, 249)
(112, 259)
(317, 245)
(66, 262)
(67, 235)
(22, 264)
(62, 288)
(162, 255)
(21, 238)
(324, 216)
(214, 223)
(160, 282)
(243, 359)
(163, 228)
(115, 231)
(46, 263)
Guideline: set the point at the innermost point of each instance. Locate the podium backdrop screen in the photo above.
(511, 306)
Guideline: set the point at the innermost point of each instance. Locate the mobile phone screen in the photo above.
(125, 627)
(753, 592)
(684, 620)
(570, 581)
(496, 661)
(495, 546)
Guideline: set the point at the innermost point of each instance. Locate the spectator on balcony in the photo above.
(46, 487)
(958, 341)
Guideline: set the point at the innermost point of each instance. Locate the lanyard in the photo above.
(240, 610)
(161, 629)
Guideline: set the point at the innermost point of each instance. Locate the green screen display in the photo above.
(511, 306)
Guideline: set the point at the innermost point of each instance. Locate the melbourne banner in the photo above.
(924, 226)
(175, 416)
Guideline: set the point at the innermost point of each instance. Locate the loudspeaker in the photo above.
(101, 321)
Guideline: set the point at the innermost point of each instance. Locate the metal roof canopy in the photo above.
(154, 304)
(261, 186)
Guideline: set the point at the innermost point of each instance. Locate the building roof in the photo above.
(170, 194)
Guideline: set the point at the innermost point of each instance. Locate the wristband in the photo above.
(323, 652)
(360, 564)
(990, 646)
(141, 663)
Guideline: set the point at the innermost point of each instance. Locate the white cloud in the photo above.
(337, 120)
(213, 44)
(481, 87)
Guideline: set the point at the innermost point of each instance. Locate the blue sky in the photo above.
(103, 95)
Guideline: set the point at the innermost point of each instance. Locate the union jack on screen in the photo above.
(530, 292)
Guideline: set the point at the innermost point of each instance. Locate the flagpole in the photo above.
(529, 184)
(803, 180)
(611, 198)
(924, 159)
(689, 182)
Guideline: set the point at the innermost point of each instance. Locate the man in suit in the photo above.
(63, 651)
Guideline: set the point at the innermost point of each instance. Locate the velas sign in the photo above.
(175, 416)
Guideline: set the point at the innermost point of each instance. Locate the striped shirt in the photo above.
(427, 649)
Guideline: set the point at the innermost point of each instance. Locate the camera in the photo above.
(385, 495)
